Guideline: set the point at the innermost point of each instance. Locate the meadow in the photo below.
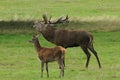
(18, 59)
(33, 9)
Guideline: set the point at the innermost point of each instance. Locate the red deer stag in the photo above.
(49, 55)
(67, 38)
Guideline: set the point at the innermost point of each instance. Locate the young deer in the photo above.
(47, 55)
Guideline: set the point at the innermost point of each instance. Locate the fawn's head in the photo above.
(34, 39)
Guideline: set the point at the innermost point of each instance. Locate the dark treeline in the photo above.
(98, 25)
(15, 24)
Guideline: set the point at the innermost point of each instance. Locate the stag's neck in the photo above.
(37, 46)
(49, 34)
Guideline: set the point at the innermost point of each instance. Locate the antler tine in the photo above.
(45, 18)
(50, 19)
(58, 21)
(60, 18)
(66, 19)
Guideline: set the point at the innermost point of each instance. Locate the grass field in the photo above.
(18, 59)
(33, 9)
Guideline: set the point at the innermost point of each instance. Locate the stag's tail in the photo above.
(90, 40)
(87, 41)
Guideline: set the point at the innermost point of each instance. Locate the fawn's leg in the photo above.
(42, 68)
(64, 61)
(62, 70)
(61, 65)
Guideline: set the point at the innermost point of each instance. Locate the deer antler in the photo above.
(60, 20)
(66, 19)
(50, 19)
(56, 22)
(45, 18)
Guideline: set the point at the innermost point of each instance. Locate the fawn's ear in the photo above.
(38, 35)
(34, 35)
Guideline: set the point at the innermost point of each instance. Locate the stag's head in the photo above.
(42, 25)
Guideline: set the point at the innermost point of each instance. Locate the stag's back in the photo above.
(71, 38)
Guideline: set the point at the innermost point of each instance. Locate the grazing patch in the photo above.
(47, 55)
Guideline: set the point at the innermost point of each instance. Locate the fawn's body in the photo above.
(49, 55)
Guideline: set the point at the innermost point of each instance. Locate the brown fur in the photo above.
(69, 38)
(49, 55)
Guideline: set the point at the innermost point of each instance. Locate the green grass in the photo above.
(19, 61)
(33, 9)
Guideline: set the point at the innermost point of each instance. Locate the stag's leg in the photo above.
(47, 69)
(95, 53)
(42, 68)
(87, 54)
